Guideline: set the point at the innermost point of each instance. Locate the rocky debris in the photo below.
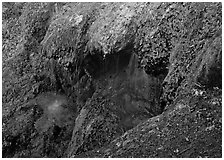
(141, 79)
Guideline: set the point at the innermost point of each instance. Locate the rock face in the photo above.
(112, 80)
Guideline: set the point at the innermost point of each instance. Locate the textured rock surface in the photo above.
(191, 128)
(112, 79)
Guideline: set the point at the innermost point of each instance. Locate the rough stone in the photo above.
(141, 79)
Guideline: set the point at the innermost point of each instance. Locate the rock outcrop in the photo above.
(112, 79)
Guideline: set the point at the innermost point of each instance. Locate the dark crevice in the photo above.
(97, 65)
(56, 131)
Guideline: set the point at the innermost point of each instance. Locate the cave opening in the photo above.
(96, 65)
